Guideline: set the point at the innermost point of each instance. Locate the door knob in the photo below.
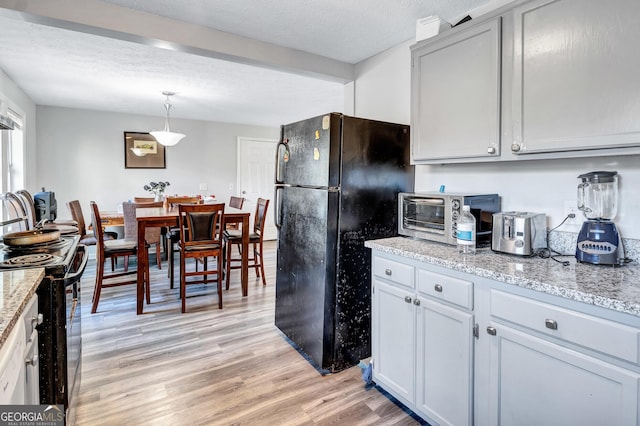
(244, 192)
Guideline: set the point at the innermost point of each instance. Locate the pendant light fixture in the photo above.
(166, 137)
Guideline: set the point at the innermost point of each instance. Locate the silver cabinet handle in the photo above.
(515, 147)
(492, 330)
(416, 302)
(387, 272)
(438, 288)
(407, 299)
(551, 324)
(491, 150)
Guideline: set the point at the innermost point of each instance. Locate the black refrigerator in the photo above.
(337, 183)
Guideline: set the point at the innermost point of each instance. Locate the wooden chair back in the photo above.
(96, 225)
(261, 216)
(200, 224)
(144, 199)
(236, 202)
(174, 201)
(76, 214)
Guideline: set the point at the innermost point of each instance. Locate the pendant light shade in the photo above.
(166, 137)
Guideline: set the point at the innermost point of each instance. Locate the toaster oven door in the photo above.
(424, 215)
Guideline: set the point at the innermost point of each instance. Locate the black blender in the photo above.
(599, 241)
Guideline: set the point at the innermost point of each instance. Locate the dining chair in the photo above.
(200, 238)
(173, 234)
(108, 249)
(152, 236)
(237, 203)
(234, 237)
(88, 239)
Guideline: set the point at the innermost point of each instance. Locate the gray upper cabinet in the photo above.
(455, 105)
(576, 76)
(536, 79)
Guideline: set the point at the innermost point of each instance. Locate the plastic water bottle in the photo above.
(466, 232)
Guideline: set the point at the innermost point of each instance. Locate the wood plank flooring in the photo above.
(209, 366)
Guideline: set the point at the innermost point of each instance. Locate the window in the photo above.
(12, 155)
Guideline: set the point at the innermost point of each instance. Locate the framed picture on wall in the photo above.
(142, 151)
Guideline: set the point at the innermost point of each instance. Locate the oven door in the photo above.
(424, 217)
(60, 350)
(73, 330)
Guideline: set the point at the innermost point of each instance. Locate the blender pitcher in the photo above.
(598, 195)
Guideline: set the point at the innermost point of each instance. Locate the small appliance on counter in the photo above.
(599, 241)
(521, 233)
(433, 216)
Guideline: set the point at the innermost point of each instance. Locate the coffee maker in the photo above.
(599, 241)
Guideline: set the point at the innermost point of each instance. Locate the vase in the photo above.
(158, 197)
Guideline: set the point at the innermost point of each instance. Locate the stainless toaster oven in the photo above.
(434, 216)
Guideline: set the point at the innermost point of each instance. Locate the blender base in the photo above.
(599, 243)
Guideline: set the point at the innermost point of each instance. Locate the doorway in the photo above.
(256, 173)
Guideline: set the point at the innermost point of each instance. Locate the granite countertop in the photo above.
(605, 286)
(16, 289)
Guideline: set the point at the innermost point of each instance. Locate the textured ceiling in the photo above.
(104, 62)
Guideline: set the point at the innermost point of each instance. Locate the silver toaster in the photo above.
(520, 233)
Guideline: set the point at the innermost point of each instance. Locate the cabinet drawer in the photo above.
(443, 287)
(391, 270)
(608, 337)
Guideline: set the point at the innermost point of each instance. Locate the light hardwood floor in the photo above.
(209, 366)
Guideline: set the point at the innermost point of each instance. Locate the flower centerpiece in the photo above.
(157, 189)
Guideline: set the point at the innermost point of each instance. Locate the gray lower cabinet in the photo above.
(554, 366)
(444, 353)
(394, 321)
(422, 340)
(459, 349)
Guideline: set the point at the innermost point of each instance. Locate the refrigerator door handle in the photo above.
(279, 158)
(276, 216)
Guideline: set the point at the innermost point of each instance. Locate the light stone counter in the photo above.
(16, 289)
(605, 286)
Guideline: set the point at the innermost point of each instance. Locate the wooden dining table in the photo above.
(151, 217)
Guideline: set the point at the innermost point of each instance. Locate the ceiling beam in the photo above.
(113, 21)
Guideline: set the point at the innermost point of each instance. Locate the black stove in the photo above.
(59, 335)
(56, 256)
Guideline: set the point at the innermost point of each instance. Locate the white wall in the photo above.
(21, 103)
(382, 86)
(382, 91)
(80, 156)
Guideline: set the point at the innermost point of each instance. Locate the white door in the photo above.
(256, 172)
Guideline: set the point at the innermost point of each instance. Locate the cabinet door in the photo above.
(393, 340)
(536, 382)
(455, 96)
(444, 363)
(576, 68)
